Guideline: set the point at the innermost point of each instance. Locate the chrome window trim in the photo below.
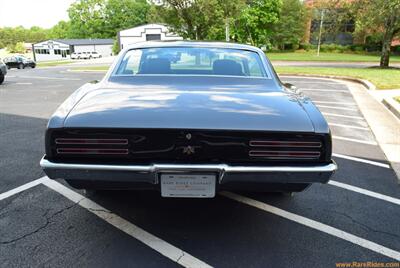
(113, 69)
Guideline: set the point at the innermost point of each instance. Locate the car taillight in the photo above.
(90, 146)
(285, 150)
(91, 151)
(91, 141)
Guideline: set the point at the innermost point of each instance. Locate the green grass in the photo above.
(52, 63)
(325, 56)
(91, 68)
(397, 99)
(381, 78)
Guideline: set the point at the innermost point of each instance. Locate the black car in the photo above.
(3, 71)
(217, 117)
(19, 62)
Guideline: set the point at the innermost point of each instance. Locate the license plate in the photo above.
(188, 185)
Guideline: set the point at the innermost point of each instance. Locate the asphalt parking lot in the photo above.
(355, 218)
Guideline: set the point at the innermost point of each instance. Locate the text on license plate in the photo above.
(188, 185)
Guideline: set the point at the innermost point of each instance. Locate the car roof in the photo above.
(210, 44)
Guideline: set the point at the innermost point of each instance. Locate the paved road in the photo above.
(355, 218)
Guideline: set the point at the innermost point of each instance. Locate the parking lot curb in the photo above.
(383, 122)
(392, 105)
(365, 83)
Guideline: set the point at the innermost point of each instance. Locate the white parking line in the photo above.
(335, 102)
(22, 188)
(23, 83)
(297, 77)
(365, 192)
(324, 90)
(344, 116)
(312, 82)
(315, 225)
(354, 140)
(347, 126)
(361, 160)
(337, 108)
(49, 78)
(185, 259)
(175, 254)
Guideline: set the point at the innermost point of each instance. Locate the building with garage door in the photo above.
(59, 49)
(147, 32)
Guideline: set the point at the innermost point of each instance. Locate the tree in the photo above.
(230, 9)
(115, 47)
(337, 14)
(9, 36)
(104, 18)
(87, 19)
(62, 30)
(379, 16)
(255, 23)
(193, 19)
(16, 48)
(291, 26)
(123, 14)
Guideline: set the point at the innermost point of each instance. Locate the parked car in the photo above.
(218, 118)
(76, 55)
(94, 55)
(3, 71)
(85, 55)
(19, 62)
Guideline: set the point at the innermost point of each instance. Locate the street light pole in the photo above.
(320, 32)
(227, 29)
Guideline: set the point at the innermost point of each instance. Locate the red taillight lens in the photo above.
(306, 144)
(71, 141)
(285, 154)
(92, 151)
(90, 146)
(285, 150)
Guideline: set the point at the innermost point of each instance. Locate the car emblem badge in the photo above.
(188, 136)
(188, 150)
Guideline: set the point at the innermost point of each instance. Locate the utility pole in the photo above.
(227, 29)
(320, 31)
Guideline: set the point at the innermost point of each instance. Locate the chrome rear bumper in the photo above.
(226, 173)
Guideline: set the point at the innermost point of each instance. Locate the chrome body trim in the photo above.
(323, 171)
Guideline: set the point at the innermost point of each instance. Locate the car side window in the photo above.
(130, 64)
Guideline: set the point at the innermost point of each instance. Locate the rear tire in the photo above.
(21, 66)
(1, 78)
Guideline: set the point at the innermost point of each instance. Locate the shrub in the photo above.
(16, 48)
(334, 48)
(357, 48)
(306, 46)
(396, 50)
(115, 47)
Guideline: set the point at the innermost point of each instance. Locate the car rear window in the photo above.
(191, 61)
